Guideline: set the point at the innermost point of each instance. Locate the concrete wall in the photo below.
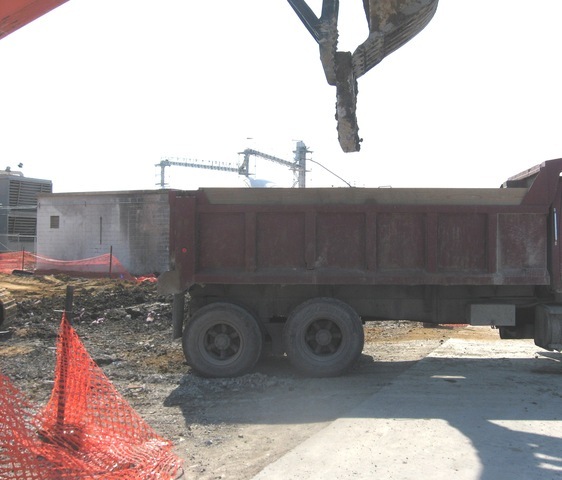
(135, 224)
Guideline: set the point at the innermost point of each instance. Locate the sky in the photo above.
(97, 92)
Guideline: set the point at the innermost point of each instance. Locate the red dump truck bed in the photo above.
(485, 256)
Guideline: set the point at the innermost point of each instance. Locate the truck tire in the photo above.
(222, 340)
(323, 337)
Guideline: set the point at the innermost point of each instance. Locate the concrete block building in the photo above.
(133, 224)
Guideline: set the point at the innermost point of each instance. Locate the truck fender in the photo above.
(169, 283)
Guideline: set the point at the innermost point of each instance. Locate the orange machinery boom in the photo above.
(17, 13)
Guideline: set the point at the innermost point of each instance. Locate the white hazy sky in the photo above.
(97, 92)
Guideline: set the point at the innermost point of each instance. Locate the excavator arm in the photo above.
(392, 23)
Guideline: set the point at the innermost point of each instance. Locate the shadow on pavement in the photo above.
(494, 417)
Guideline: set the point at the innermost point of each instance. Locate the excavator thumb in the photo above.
(392, 23)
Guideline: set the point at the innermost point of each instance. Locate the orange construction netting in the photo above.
(106, 265)
(87, 430)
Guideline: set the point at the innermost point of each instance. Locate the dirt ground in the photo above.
(221, 428)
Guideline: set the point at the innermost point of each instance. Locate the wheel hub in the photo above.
(323, 337)
(222, 341)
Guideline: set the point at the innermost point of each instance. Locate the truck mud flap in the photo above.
(169, 283)
(548, 327)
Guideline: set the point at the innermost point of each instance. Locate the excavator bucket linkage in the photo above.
(392, 23)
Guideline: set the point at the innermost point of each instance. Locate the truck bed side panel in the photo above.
(365, 244)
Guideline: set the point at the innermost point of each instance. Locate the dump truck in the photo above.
(299, 271)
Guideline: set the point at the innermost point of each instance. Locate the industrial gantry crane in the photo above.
(192, 163)
(298, 166)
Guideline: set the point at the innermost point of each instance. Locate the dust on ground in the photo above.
(221, 428)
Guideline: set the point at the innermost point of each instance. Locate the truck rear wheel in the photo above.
(323, 337)
(222, 340)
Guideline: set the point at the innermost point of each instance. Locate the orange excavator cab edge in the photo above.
(14, 14)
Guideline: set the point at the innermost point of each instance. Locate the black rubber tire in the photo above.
(222, 340)
(323, 337)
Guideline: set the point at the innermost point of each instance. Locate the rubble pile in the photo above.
(125, 326)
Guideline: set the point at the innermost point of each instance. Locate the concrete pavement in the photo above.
(487, 410)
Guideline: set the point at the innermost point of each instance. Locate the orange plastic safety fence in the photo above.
(10, 261)
(87, 430)
(106, 265)
(17, 435)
